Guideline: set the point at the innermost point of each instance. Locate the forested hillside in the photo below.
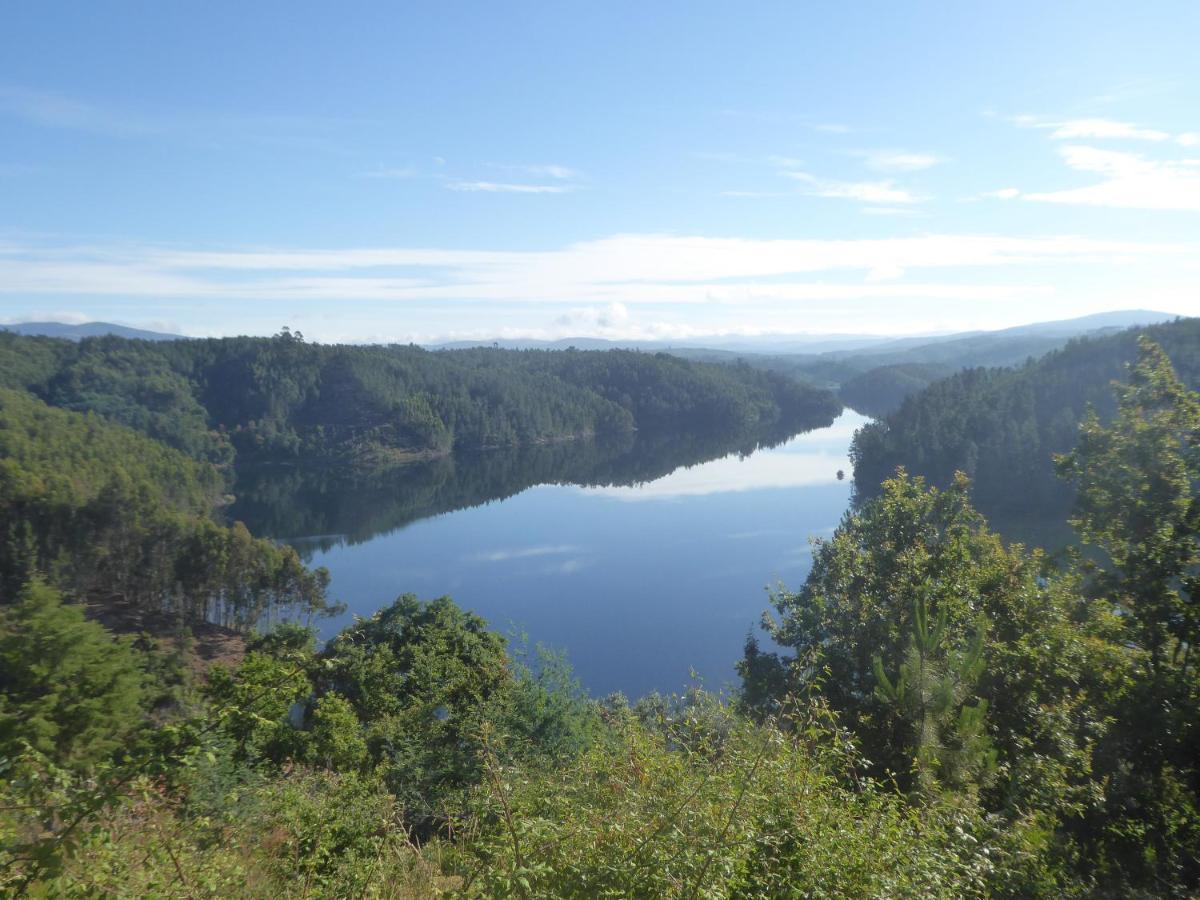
(282, 397)
(878, 392)
(111, 516)
(1002, 427)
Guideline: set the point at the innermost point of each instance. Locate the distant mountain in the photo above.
(1115, 321)
(773, 344)
(87, 329)
(859, 352)
(834, 346)
(1061, 329)
(579, 343)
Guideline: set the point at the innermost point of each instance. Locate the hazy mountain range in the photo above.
(87, 329)
(831, 343)
(831, 347)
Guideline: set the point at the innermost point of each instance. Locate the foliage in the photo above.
(335, 739)
(259, 697)
(995, 678)
(1137, 502)
(316, 833)
(745, 811)
(951, 749)
(421, 679)
(70, 691)
(548, 715)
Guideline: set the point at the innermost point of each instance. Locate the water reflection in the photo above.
(645, 560)
(318, 508)
(808, 459)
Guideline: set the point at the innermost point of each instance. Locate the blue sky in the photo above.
(421, 171)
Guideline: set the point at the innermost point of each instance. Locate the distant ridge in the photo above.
(817, 343)
(1117, 320)
(833, 344)
(87, 329)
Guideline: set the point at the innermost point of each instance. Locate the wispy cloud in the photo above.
(888, 211)
(48, 109)
(1075, 129)
(497, 187)
(1129, 180)
(879, 193)
(595, 318)
(1091, 128)
(625, 269)
(753, 195)
(885, 192)
(563, 173)
(899, 160)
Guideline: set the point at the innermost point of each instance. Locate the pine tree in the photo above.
(949, 744)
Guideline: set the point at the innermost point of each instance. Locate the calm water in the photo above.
(642, 577)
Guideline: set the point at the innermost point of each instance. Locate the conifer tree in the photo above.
(949, 744)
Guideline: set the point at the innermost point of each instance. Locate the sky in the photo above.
(668, 170)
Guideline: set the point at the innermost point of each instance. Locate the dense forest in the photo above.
(1002, 427)
(284, 398)
(940, 714)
